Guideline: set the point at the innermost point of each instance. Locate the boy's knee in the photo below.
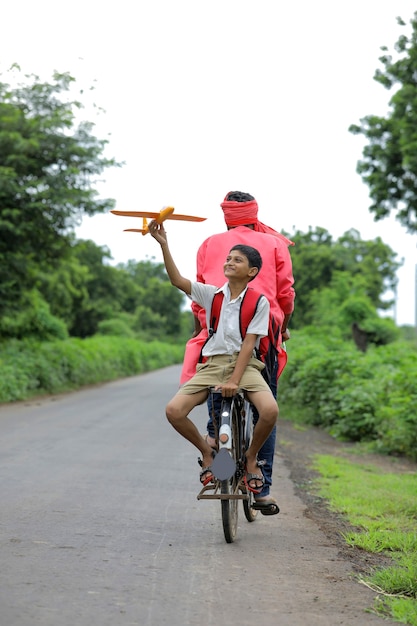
(172, 412)
(271, 413)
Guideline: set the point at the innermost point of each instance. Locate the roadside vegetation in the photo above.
(29, 368)
(368, 397)
(382, 507)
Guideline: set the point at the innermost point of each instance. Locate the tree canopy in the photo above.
(317, 260)
(389, 164)
(48, 165)
(54, 286)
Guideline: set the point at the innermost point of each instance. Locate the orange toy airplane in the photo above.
(167, 213)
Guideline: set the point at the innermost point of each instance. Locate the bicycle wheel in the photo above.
(229, 487)
(247, 430)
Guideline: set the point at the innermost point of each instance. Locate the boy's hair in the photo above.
(252, 254)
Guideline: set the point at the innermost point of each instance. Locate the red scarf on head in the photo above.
(242, 213)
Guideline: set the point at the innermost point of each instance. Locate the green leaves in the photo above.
(328, 273)
(46, 179)
(389, 164)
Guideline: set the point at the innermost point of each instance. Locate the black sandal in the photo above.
(247, 479)
(266, 507)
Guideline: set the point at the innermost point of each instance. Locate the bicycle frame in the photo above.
(234, 435)
(228, 466)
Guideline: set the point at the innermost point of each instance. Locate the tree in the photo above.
(48, 165)
(370, 268)
(389, 164)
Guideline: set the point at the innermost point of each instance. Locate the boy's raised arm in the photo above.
(158, 232)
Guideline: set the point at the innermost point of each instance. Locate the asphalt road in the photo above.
(100, 525)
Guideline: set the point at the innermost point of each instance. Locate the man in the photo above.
(275, 282)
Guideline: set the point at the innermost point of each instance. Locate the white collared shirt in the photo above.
(227, 339)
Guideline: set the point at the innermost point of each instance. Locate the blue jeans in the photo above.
(266, 453)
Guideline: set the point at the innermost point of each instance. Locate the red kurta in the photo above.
(275, 279)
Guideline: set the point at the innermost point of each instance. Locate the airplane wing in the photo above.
(136, 213)
(186, 218)
(152, 215)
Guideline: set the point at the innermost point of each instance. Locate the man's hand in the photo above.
(286, 335)
(197, 327)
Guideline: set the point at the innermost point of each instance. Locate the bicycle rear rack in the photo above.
(216, 495)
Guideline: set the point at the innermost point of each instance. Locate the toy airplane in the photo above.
(167, 213)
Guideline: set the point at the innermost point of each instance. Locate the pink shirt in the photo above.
(275, 279)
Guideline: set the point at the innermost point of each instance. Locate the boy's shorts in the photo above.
(218, 369)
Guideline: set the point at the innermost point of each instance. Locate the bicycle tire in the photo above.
(228, 487)
(247, 422)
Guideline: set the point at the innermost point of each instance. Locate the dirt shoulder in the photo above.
(297, 446)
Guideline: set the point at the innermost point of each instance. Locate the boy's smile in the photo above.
(237, 266)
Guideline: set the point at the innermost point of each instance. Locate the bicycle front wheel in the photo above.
(229, 511)
(230, 487)
(247, 424)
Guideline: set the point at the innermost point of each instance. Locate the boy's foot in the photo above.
(206, 476)
(253, 478)
(254, 482)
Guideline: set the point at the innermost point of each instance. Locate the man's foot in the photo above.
(211, 441)
(266, 505)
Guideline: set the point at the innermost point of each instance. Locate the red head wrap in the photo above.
(242, 213)
(239, 213)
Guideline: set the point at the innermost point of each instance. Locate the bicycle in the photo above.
(234, 434)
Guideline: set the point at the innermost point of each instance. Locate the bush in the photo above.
(368, 397)
(28, 368)
(34, 320)
(115, 328)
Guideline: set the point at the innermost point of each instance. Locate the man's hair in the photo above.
(239, 196)
(252, 254)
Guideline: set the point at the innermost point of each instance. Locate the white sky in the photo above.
(204, 98)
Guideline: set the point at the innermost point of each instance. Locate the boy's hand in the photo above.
(158, 232)
(228, 389)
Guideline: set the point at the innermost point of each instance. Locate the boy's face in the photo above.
(237, 266)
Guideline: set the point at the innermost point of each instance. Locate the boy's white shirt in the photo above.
(227, 339)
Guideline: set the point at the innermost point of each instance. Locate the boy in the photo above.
(230, 362)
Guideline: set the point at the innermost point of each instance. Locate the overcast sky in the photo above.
(203, 98)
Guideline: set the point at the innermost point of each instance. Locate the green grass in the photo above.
(383, 506)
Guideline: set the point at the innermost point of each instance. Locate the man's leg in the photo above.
(214, 405)
(267, 408)
(266, 460)
(266, 453)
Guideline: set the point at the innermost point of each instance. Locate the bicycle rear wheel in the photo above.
(247, 427)
(229, 487)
